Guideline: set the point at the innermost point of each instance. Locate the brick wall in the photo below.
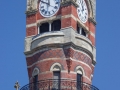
(44, 60)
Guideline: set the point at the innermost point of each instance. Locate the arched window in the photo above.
(56, 68)
(79, 74)
(44, 28)
(48, 27)
(35, 78)
(81, 30)
(56, 25)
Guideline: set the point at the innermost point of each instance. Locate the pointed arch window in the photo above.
(35, 78)
(79, 81)
(56, 68)
(79, 76)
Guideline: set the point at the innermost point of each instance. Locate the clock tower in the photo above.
(60, 44)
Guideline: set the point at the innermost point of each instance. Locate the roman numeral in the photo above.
(57, 3)
(56, 7)
(52, 10)
(42, 6)
(49, 12)
(79, 14)
(43, 10)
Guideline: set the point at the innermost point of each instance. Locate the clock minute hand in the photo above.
(45, 2)
(82, 6)
(49, 2)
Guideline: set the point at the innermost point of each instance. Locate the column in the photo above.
(50, 23)
(39, 28)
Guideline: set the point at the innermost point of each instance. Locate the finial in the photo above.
(17, 85)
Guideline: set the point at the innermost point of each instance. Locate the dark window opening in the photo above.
(81, 31)
(56, 82)
(44, 28)
(78, 29)
(56, 25)
(35, 81)
(79, 81)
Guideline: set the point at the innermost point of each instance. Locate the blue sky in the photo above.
(12, 59)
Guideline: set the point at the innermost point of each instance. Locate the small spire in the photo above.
(17, 85)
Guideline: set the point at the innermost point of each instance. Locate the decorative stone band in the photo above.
(92, 20)
(31, 11)
(69, 2)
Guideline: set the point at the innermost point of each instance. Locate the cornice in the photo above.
(69, 2)
(65, 45)
(30, 12)
(92, 20)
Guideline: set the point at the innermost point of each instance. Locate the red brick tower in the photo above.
(60, 44)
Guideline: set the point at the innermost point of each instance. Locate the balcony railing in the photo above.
(62, 84)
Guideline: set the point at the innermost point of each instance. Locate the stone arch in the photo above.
(35, 72)
(80, 70)
(56, 67)
(90, 8)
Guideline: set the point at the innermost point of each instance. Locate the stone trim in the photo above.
(31, 25)
(56, 67)
(30, 12)
(69, 2)
(35, 72)
(80, 70)
(69, 44)
(92, 34)
(92, 20)
(48, 72)
(56, 60)
(61, 17)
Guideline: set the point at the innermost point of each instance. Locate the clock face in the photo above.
(49, 8)
(82, 11)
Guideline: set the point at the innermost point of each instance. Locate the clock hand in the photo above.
(47, 3)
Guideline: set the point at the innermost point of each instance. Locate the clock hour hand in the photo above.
(82, 6)
(47, 3)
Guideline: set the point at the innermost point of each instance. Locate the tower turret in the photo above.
(60, 44)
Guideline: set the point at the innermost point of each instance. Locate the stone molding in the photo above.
(35, 72)
(69, 2)
(79, 68)
(92, 20)
(56, 67)
(68, 38)
(31, 12)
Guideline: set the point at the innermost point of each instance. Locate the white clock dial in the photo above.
(49, 8)
(82, 11)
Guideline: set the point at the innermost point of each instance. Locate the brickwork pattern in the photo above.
(59, 53)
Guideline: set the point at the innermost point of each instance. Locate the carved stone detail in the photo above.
(68, 2)
(69, 63)
(31, 6)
